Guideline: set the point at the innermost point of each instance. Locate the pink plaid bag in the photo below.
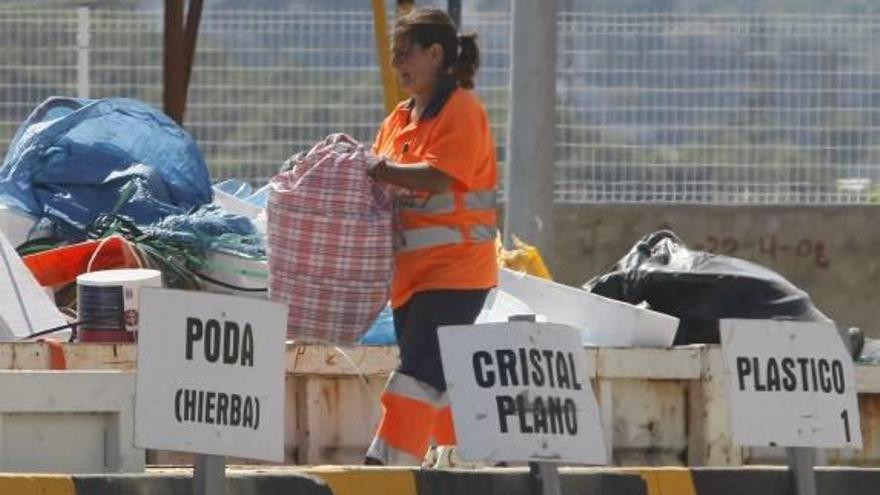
(330, 242)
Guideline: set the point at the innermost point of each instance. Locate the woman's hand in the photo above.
(418, 176)
(375, 171)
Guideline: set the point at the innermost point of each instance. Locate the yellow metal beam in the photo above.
(36, 484)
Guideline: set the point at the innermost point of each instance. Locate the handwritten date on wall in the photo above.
(769, 246)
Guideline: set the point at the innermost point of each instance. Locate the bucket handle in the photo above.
(101, 245)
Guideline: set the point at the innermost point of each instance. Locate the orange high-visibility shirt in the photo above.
(453, 135)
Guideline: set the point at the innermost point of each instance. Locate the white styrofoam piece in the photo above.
(500, 306)
(25, 307)
(234, 205)
(15, 224)
(604, 322)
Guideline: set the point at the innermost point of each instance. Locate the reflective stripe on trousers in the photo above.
(413, 414)
(425, 237)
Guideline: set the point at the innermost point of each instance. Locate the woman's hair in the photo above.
(427, 26)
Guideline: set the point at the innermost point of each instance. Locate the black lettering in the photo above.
(200, 409)
(837, 375)
(772, 375)
(506, 367)
(524, 366)
(540, 415)
(177, 407)
(562, 378)
(522, 408)
(789, 381)
(212, 341)
(743, 369)
(247, 346)
(574, 377)
(548, 361)
(247, 415)
(484, 379)
(193, 333)
(222, 409)
(230, 342)
(571, 420)
(803, 362)
(189, 405)
(256, 412)
(235, 410)
(537, 372)
(209, 407)
(760, 387)
(554, 412)
(815, 385)
(506, 407)
(824, 379)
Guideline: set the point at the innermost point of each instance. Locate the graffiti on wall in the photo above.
(769, 246)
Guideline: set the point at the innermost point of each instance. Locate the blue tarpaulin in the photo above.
(75, 159)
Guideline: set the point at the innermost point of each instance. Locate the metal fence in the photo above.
(651, 108)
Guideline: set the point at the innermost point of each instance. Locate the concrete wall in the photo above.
(831, 252)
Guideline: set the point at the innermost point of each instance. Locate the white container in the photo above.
(237, 275)
(109, 301)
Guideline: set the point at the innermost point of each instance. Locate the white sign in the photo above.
(211, 374)
(520, 392)
(791, 384)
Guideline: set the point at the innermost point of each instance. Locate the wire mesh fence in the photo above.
(731, 109)
(718, 109)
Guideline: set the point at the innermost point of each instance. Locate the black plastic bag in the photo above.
(700, 288)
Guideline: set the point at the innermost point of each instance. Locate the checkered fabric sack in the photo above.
(330, 242)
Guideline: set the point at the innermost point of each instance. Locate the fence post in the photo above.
(83, 40)
(531, 134)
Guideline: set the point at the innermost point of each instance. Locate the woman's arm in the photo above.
(420, 176)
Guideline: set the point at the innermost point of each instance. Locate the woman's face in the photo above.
(417, 67)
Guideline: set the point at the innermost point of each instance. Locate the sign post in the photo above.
(210, 379)
(800, 464)
(544, 475)
(792, 384)
(520, 392)
(209, 474)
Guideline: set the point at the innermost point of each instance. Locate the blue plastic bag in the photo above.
(382, 331)
(75, 159)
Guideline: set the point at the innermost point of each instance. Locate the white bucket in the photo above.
(108, 303)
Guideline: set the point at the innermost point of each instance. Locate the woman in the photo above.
(437, 146)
